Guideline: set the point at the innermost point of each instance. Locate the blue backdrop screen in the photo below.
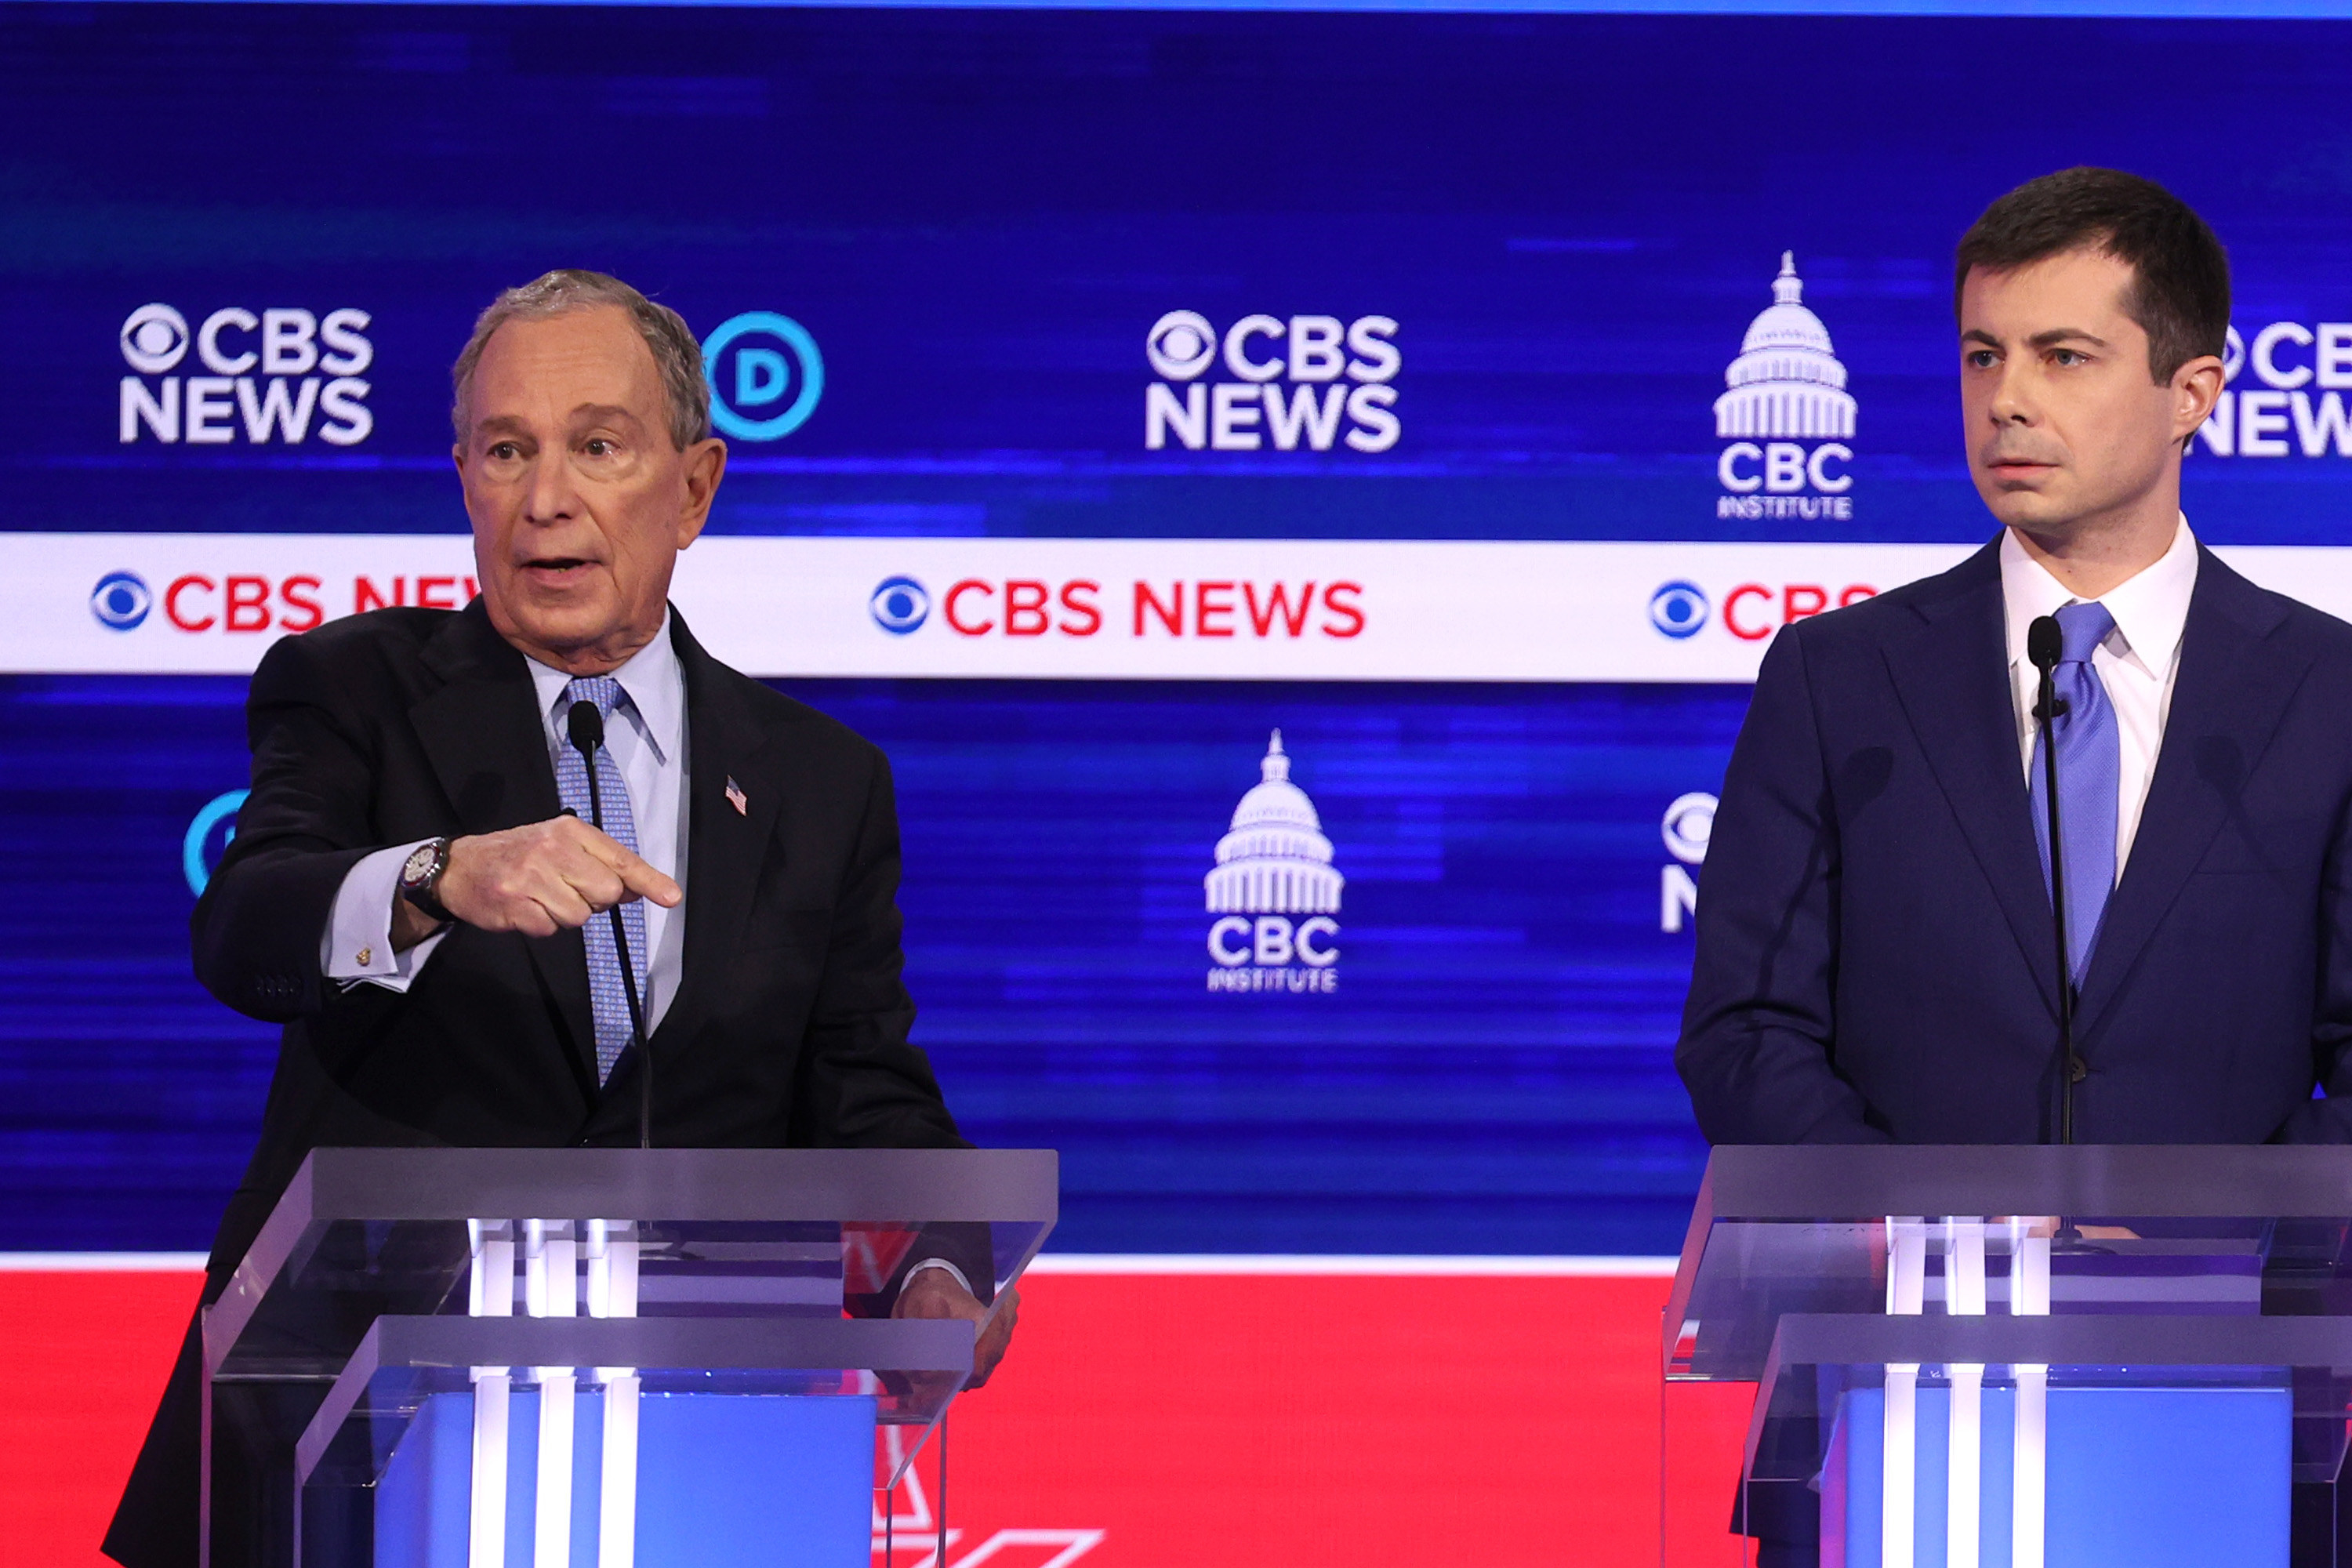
(1087, 275)
(976, 219)
(1489, 1071)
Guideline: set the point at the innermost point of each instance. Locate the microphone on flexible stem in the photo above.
(2045, 642)
(585, 727)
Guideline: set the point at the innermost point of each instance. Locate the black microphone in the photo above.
(586, 728)
(2044, 643)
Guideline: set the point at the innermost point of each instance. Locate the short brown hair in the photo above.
(2181, 294)
(570, 289)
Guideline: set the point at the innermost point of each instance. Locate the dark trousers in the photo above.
(156, 1523)
(159, 1524)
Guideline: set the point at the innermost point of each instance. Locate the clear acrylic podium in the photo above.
(2003, 1357)
(594, 1358)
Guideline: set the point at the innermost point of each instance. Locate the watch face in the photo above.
(418, 865)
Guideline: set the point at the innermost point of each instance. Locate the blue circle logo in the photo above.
(120, 601)
(755, 362)
(900, 604)
(1679, 609)
(198, 853)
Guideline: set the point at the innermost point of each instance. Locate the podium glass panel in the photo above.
(594, 1356)
(366, 1233)
(1988, 1356)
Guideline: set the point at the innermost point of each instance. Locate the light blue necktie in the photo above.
(2090, 768)
(610, 1002)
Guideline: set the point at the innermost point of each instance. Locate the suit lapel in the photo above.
(2233, 686)
(481, 730)
(1953, 681)
(724, 847)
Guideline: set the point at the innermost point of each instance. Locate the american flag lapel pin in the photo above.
(735, 797)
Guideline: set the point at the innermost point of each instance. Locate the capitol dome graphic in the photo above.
(1276, 859)
(1786, 381)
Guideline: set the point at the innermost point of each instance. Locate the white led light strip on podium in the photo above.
(551, 1254)
(1961, 1240)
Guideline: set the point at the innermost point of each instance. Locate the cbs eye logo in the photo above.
(765, 376)
(900, 604)
(1689, 824)
(154, 339)
(122, 600)
(1180, 345)
(1679, 609)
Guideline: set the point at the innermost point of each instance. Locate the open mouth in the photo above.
(557, 568)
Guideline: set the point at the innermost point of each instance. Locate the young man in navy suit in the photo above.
(1877, 947)
(1876, 954)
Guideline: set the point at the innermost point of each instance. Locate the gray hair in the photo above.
(567, 288)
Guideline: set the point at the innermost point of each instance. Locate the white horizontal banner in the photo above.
(1042, 608)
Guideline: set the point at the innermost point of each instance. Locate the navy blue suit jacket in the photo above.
(1875, 948)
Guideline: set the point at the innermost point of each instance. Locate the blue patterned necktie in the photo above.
(2090, 769)
(610, 1002)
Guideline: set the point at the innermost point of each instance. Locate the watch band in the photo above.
(420, 878)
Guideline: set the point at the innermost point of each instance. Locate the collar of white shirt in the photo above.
(656, 686)
(2150, 608)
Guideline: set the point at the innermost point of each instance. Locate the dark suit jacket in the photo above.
(1875, 948)
(789, 1026)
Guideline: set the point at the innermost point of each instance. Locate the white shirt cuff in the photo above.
(356, 946)
(942, 1264)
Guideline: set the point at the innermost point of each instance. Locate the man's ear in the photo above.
(705, 465)
(2196, 388)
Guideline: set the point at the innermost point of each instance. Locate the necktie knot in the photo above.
(603, 691)
(2082, 627)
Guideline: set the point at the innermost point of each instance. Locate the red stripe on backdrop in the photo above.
(1141, 1421)
(88, 1354)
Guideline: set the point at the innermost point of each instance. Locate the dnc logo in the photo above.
(207, 837)
(765, 376)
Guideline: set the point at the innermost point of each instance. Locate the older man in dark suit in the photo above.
(415, 890)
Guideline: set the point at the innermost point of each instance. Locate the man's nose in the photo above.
(553, 497)
(2012, 400)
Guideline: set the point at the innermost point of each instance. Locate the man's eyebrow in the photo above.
(2056, 335)
(1979, 335)
(506, 423)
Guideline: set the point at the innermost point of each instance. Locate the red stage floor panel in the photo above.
(1143, 1420)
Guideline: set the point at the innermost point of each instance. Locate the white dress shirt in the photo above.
(646, 736)
(2137, 662)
